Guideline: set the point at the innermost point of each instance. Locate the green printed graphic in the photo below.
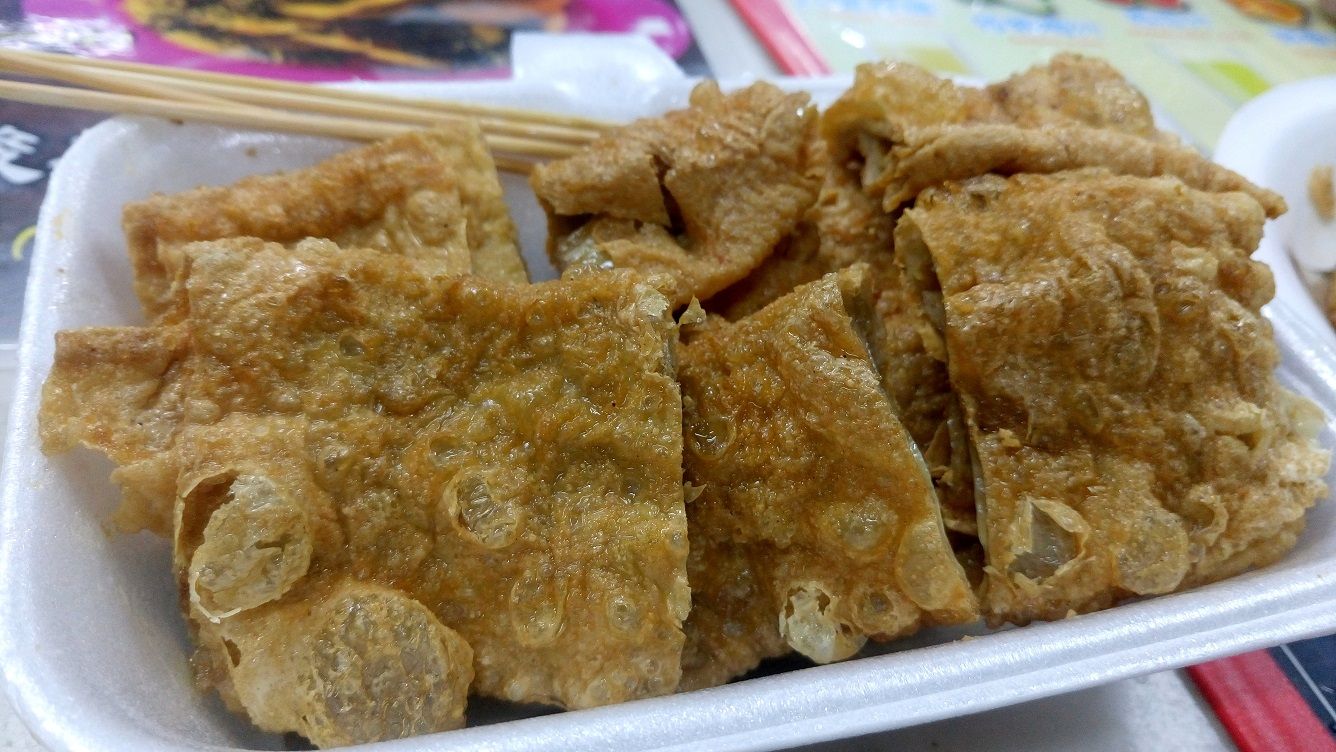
(1235, 79)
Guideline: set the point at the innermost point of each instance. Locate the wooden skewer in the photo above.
(248, 117)
(496, 112)
(101, 101)
(18, 62)
(301, 98)
(317, 101)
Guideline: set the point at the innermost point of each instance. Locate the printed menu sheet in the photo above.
(1198, 60)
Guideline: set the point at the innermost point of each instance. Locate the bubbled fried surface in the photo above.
(1073, 88)
(909, 130)
(890, 100)
(1105, 339)
(507, 456)
(342, 662)
(702, 194)
(842, 226)
(816, 526)
(106, 391)
(427, 194)
(938, 154)
(846, 226)
(120, 391)
(503, 459)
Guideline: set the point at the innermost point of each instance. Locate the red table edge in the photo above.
(1259, 706)
(782, 37)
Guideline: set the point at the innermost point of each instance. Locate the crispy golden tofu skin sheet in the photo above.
(430, 194)
(908, 130)
(284, 632)
(846, 226)
(1105, 340)
(816, 526)
(120, 391)
(507, 456)
(1072, 88)
(106, 390)
(346, 662)
(373, 463)
(703, 194)
(840, 227)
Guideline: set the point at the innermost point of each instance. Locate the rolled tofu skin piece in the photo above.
(907, 130)
(1104, 335)
(843, 227)
(702, 194)
(816, 526)
(431, 194)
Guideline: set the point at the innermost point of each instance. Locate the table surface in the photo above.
(1156, 712)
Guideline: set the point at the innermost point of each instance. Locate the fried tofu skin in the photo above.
(1105, 340)
(106, 390)
(703, 194)
(343, 662)
(431, 194)
(1073, 88)
(507, 456)
(939, 154)
(120, 391)
(843, 227)
(909, 130)
(284, 632)
(1322, 192)
(816, 526)
(488, 478)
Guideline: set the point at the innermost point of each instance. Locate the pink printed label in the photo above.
(335, 40)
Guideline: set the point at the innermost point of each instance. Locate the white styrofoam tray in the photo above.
(1275, 141)
(94, 649)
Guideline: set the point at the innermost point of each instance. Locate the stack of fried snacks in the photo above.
(941, 353)
(388, 483)
(1066, 322)
(1098, 324)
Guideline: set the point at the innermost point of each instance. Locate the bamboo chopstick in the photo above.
(263, 119)
(485, 112)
